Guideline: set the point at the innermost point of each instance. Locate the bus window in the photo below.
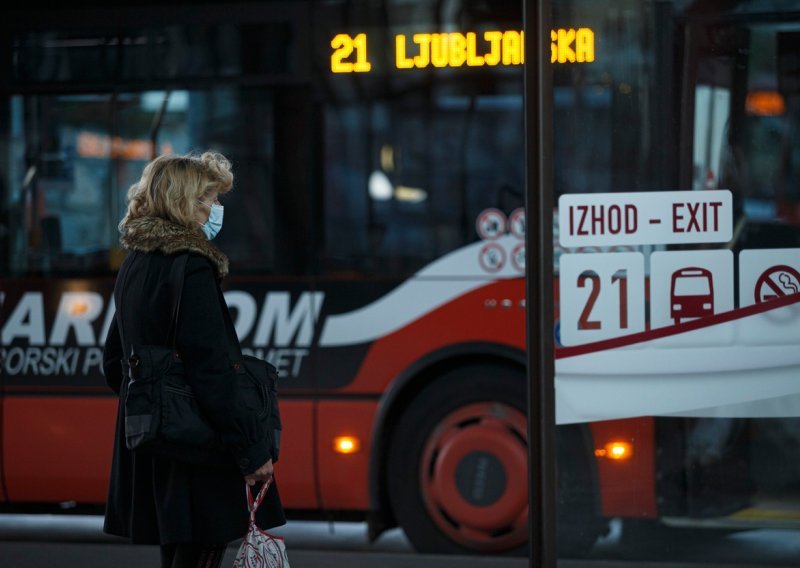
(411, 190)
(745, 126)
(59, 202)
(75, 156)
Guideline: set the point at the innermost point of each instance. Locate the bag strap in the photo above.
(176, 278)
(253, 504)
(127, 268)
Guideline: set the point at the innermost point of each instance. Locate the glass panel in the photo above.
(74, 157)
(377, 219)
(694, 445)
(414, 153)
(59, 200)
(151, 53)
(410, 190)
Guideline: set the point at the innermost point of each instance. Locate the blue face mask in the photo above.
(214, 223)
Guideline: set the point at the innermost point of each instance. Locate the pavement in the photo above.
(67, 541)
(84, 555)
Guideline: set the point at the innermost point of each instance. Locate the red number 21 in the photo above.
(621, 277)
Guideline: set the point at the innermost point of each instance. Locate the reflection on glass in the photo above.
(376, 237)
(696, 97)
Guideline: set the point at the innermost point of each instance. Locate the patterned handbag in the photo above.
(260, 549)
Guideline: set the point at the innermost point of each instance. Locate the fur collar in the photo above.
(150, 234)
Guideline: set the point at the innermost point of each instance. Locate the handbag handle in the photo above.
(253, 504)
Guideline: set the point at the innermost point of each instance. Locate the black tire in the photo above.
(451, 393)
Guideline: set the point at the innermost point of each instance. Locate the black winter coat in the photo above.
(155, 500)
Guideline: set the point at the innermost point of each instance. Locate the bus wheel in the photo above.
(457, 465)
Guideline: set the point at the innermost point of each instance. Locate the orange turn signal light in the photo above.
(346, 444)
(615, 451)
(765, 103)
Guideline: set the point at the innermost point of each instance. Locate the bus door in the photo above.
(741, 102)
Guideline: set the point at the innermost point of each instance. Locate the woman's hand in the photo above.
(264, 474)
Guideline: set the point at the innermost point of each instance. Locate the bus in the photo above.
(376, 240)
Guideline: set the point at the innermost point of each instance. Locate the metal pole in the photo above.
(539, 284)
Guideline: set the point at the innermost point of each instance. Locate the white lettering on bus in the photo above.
(41, 361)
(77, 310)
(287, 361)
(288, 329)
(26, 321)
(245, 306)
(280, 324)
(93, 358)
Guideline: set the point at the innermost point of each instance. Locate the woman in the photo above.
(192, 511)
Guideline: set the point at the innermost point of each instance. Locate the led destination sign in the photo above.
(455, 49)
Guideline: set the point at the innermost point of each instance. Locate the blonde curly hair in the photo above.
(171, 186)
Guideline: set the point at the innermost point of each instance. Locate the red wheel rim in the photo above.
(474, 476)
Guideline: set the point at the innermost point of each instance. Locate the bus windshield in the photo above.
(689, 284)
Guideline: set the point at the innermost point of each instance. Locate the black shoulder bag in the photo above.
(162, 416)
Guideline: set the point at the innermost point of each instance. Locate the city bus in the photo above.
(376, 239)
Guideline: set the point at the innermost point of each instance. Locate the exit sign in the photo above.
(645, 218)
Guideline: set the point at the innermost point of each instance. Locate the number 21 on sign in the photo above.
(601, 296)
(343, 47)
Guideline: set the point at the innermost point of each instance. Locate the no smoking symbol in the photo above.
(777, 282)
